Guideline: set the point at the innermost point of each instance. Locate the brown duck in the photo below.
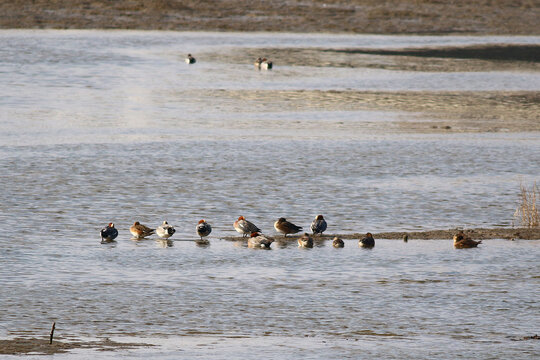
(305, 241)
(285, 227)
(140, 231)
(462, 241)
(338, 243)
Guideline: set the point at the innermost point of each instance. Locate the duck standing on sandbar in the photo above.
(203, 229)
(165, 230)
(318, 226)
(285, 227)
(140, 231)
(245, 227)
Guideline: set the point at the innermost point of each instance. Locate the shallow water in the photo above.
(112, 126)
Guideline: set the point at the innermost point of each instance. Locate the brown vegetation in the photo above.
(527, 211)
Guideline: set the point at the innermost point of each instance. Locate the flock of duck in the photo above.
(247, 228)
(256, 239)
(260, 63)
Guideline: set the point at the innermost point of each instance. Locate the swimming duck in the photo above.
(258, 63)
(257, 240)
(305, 241)
(461, 241)
(285, 227)
(203, 228)
(318, 226)
(265, 64)
(140, 231)
(108, 233)
(338, 243)
(367, 241)
(245, 227)
(190, 59)
(165, 230)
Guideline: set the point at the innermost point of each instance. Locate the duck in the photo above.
(140, 231)
(265, 64)
(461, 241)
(258, 63)
(108, 233)
(318, 226)
(405, 238)
(285, 227)
(165, 230)
(305, 241)
(338, 243)
(257, 240)
(190, 59)
(203, 228)
(367, 241)
(245, 227)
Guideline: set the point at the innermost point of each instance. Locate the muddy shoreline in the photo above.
(37, 346)
(501, 17)
(477, 234)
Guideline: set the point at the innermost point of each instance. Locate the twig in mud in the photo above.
(52, 332)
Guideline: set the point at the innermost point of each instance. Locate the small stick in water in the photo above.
(52, 332)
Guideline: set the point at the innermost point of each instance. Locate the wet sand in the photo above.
(423, 111)
(493, 57)
(477, 234)
(371, 16)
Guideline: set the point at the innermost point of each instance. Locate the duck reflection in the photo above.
(164, 243)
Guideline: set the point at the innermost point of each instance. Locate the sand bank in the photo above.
(477, 234)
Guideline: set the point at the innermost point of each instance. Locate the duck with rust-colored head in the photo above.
(318, 226)
(257, 240)
(140, 231)
(245, 227)
(285, 227)
(203, 229)
(367, 241)
(305, 241)
(338, 243)
(266, 64)
(165, 230)
(462, 241)
(108, 233)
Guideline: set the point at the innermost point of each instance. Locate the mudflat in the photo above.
(508, 17)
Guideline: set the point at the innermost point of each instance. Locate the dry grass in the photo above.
(527, 211)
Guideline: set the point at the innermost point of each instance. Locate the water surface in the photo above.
(101, 126)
